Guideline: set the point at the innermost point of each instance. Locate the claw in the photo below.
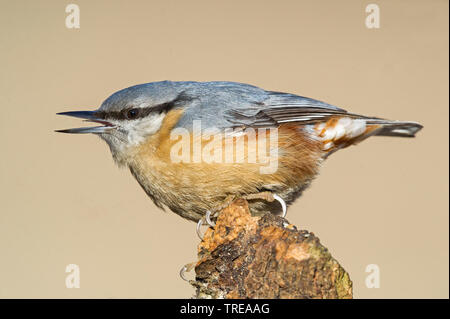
(208, 219)
(283, 204)
(201, 222)
(199, 225)
(182, 271)
(186, 268)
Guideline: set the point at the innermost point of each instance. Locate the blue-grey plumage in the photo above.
(137, 123)
(227, 104)
(219, 103)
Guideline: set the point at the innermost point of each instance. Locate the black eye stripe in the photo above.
(134, 113)
(144, 111)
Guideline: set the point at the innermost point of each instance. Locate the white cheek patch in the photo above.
(336, 131)
(139, 130)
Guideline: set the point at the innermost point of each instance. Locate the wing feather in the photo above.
(280, 108)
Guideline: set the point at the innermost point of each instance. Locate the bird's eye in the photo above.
(132, 114)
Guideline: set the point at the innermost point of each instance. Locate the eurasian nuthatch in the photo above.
(180, 141)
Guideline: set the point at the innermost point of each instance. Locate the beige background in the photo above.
(63, 201)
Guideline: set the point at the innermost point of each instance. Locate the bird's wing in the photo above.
(278, 108)
(228, 104)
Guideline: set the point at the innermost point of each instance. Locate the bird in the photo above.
(180, 141)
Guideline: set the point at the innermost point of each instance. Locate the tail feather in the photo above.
(396, 128)
(341, 132)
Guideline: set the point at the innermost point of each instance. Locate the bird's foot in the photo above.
(214, 212)
(269, 197)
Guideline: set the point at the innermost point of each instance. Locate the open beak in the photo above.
(89, 116)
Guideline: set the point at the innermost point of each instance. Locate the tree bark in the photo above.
(247, 256)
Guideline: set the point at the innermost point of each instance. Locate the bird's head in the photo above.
(129, 116)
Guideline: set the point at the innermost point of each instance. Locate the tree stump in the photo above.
(248, 256)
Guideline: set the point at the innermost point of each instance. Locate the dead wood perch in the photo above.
(256, 257)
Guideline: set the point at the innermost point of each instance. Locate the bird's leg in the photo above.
(270, 197)
(267, 196)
